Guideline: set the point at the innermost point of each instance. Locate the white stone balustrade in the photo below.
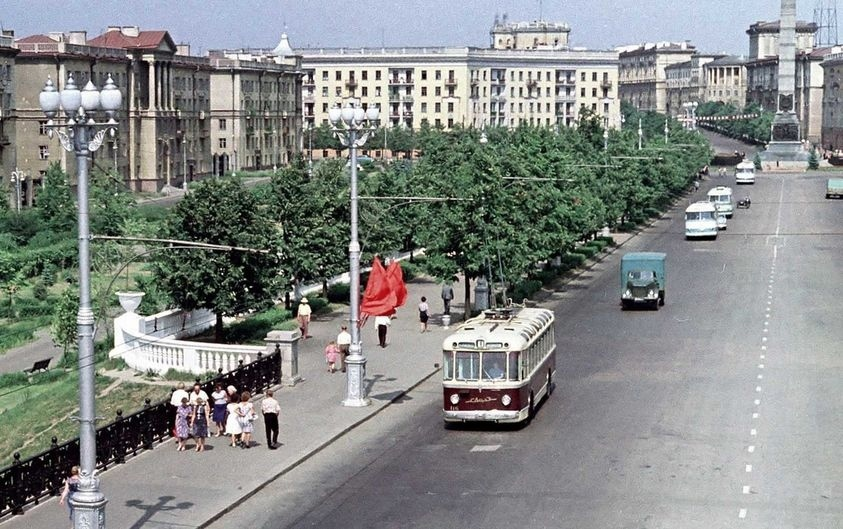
(152, 342)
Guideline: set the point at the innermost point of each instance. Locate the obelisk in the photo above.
(785, 144)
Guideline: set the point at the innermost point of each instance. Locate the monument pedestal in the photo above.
(785, 145)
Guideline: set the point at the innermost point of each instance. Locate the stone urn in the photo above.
(130, 301)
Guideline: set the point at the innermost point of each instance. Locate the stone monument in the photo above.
(785, 144)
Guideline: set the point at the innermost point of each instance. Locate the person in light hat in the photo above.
(303, 316)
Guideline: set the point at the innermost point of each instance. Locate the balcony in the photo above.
(565, 98)
(532, 83)
(498, 81)
(606, 84)
(308, 82)
(499, 97)
(450, 82)
(475, 81)
(565, 81)
(400, 81)
(351, 84)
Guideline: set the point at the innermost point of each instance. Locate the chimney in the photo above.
(130, 31)
(183, 49)
(57, 36)
(78, 37)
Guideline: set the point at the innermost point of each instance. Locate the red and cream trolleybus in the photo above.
(498, 365)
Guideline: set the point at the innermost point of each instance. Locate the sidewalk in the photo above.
(164, 488)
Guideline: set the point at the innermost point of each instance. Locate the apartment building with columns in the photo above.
(537, 80)
(643, 76)
(685, 82)
(7, 97)
(256, 102)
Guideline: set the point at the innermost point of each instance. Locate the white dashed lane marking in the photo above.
(484, 448)
(750, 448)
(742, 513)
(746, 489)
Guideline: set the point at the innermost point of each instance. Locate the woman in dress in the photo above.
(71, 485)
(199, 422)
(424, 313)
(220, 399)
(246, 414)
(183, 414)
(232, 422)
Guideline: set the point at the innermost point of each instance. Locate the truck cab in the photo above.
(643, 279)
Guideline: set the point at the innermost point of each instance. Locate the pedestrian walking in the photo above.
(246, 416)
(382, 323)
(447, 296)
(71, 485)
(332, 353)
(303, 316)
(220, 399)
(232, 421)
(344, 344)
(199, 423)
(423, 314)
(175, 401)
(183, 414)
(271, 410)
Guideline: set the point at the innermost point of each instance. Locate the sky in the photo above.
(711, 25)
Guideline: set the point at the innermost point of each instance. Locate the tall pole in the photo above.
(666, 131)
(356, 127)
(640, 134)
(17, 176)
(77, 136)
(310, 150)
(184, 163)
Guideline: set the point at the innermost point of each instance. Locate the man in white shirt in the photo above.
(344, 343)
(303, 316)
(382, 322)
(197, 393)
(270, 409)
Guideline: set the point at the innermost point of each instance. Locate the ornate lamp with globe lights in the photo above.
(81, 134)
(352, 126)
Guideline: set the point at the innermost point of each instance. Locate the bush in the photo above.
(627, 226)
(572, 260)
(610, 241)
(525, 289)
(256, 326)
(49, 274)
(339, 293)
(600, 244)
(40, 291)
(587, 251)
(652, 213)
(545, 276)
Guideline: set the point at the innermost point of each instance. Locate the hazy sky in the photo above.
(711, 25)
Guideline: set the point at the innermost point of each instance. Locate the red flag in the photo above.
(378, 298)
(395, 278)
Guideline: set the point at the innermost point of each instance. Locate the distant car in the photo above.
(360, 161)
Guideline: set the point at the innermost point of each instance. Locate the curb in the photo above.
(315, 451)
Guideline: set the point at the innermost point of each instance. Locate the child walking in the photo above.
(332, 352)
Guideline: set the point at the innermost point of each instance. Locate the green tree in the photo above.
(226, 282)
(813, 160)
(112, 207)
(56, 204)
(64, 329)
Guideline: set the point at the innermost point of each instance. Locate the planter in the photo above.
(130, 301)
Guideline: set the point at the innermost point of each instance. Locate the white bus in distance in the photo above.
(701, 220)
(745, 173)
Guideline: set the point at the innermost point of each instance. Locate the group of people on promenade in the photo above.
(232, 413)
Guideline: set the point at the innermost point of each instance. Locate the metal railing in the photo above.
(31, 480)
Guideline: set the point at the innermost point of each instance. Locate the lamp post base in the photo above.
(356, 368)
(88, 504)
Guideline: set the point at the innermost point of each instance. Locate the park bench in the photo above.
(40, 365)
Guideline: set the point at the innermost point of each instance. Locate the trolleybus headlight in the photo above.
(651, 293)
(455, 398)
(627, 293)
(506, 400)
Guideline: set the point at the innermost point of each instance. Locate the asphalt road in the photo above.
(719, 410)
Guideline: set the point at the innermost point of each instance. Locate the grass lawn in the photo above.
(32, 414)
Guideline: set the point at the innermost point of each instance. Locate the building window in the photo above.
(338, 91)
(594, 76)
(364, 91)
(222, 124)
(377, 75)
(43, 152)
(365, 75)
(593, 92)
(42, 128)
(338, 75)
(423, 91)
(438, 91)
(438, 75)
(582, 76)
(377, 91)
(450, 107)
(437, 107)
(324, 91)
(324, 107)
(424, 75)
(222, 143)
(325, 75)
(582, 92)
(424, 107)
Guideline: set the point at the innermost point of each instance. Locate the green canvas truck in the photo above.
(643, 279)
(834, 188)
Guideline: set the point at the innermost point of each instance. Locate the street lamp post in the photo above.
(666, 131)
(274, 151)
(640, 134)
(18, 177)
(184, 161)
(79, 134)
(310, 149)
(352, 127)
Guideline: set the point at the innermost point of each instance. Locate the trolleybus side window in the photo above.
(448, 365)
(513, 365)
(467, 365)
